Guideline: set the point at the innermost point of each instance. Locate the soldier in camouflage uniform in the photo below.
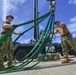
(66, 40)
(6, 48)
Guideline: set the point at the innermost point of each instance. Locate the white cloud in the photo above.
(72, 26)
(74, 35)
(17, 2)
(41, 27)
(20, 29)
(6, 8)
(73, 19)
(72, 2)
(24, 40)
(10, 5)
(58, 40)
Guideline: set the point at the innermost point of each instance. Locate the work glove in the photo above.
(14, 26)
(20, 33)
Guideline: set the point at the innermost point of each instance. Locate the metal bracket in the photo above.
(52, 5)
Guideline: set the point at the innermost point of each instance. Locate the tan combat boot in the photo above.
(66, 60)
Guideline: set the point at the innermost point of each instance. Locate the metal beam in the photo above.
(36, 28)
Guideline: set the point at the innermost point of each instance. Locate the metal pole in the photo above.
(36, 28)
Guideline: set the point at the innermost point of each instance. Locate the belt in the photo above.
(5, 33)
(66, 34)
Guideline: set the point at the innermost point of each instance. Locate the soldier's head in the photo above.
(9, 18)
(57, 23)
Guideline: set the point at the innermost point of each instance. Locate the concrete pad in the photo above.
(50, 68)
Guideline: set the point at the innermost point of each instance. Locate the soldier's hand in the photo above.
(20, 33)
(14, 26)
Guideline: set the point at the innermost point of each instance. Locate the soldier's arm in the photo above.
(6, 25)
(15, 33)
(54, 32)
(62, 25)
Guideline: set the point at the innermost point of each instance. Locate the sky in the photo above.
(22, 10)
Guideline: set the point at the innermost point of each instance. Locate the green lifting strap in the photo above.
(44, 44)
(29, 29)
(47, 14)
(22, 69)
(35, 46)
(39, 40)
(10, 32)
(46, 28)
(14, 70)
(39, 48)
(47, 49)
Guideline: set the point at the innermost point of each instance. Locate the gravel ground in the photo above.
(50, 68)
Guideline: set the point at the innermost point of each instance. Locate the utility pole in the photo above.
(36, 28)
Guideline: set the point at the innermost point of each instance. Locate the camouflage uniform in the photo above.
(6, 49)
(65, 42)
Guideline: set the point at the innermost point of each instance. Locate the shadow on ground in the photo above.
(52, 66)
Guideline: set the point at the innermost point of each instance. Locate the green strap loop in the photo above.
(10, 32)
(44, 32)
(45, 53)
(34, 20)
(29, 29)
(47, 49)
(7, 71)
(40, 47)
(38, 41)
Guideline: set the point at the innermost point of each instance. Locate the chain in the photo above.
(52, 5)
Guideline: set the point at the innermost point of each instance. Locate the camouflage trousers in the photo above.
(6, 49)
(67, 42)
